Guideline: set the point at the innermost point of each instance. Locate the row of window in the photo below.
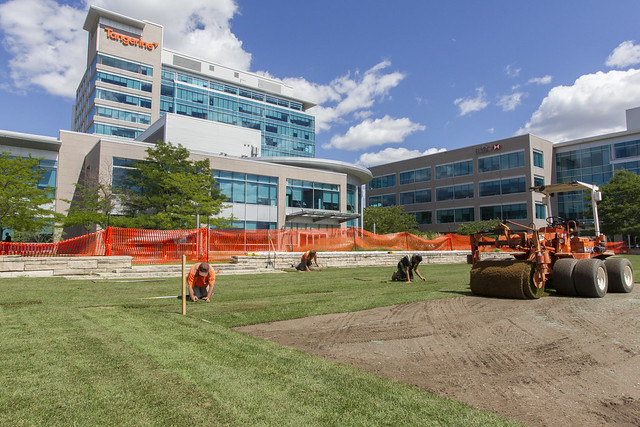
(456, 169)
(171, 76)
(128, 116)
(627, 149)
(124, 132)
(123, 64)
(513, 211)
(127, 82)
(457, 192)
(122, 98)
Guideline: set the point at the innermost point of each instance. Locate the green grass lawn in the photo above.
(99, 353)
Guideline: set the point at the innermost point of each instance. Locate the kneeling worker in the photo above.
(306, 260)
(406, 269)
(201, 280)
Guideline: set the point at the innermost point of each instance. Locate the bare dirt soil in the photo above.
(547, 362)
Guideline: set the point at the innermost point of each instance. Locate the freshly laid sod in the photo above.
(99, 353)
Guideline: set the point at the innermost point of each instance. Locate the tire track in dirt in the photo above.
(543, 362)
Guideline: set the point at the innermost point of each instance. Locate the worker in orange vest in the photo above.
(307, 259)
(201, 280)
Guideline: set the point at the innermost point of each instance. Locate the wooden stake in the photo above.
(184, 285)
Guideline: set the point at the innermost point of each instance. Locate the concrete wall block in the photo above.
(30, 274)
(83, 263)
(11, 265)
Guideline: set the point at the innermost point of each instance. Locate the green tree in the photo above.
(389, 219)
(477, 226)
(167, 190)
(91, 207)
(24, 207)
(619, 209)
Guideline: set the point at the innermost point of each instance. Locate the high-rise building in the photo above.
(131, 81)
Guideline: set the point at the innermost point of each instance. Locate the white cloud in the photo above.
(595, 104)
(540, 80)
(371, 133)
(624, 55)
(510, 102)
(389, 155)
(346, 95)
(469, 105)
(48, 44)
(512, 71)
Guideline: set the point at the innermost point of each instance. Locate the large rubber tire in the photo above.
(590, 278)
(620, 275)
(563, 276)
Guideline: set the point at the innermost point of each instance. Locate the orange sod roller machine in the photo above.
(551, 256)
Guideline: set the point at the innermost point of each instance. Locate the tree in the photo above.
(23, 206)
(389, 219)
(477, 226)
(91, 206)
(167, 190)
(619, 209)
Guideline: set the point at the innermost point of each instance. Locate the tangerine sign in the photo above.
(130, 41)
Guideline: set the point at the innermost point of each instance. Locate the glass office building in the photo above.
(131, 81)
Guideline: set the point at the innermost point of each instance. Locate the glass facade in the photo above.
(501, 162)
(383, 181)
(312, 195)
(454, 169)
(247, 188)
(382, 200)
(590, 165)
(413, 176)
(502, 186)
(286, 129)
(510, 211)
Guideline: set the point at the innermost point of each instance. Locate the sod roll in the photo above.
(504, 279)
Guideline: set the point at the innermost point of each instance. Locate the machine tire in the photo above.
(620, 275)
(590, 278)
(563, 276)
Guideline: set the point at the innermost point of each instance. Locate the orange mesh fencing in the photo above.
(168, 246)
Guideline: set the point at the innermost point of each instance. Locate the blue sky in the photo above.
(392, 79)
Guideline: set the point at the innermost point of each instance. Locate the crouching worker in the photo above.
(201, 280)
(406, 268)
(307, 259)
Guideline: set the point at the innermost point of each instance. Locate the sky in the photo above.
(390, 79)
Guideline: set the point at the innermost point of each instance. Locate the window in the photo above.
(312, 195)
(383, 181)
(454, 169)
(511, 211)
(538, 159)
(423, 217)
(247, 188)
(445, 216)
(501, 162)
(464, 215)
(538, 181)
(627, 149)
(541, 211)
(384, 200)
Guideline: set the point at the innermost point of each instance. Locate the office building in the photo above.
(132, 80)
(493, 180)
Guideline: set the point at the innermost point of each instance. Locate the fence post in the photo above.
(107, 242)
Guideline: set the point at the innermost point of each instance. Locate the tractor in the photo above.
(551, 256)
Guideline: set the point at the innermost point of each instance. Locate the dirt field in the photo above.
(547, 362)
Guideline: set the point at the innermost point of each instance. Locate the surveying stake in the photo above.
(184, 285)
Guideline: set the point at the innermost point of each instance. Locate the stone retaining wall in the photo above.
(348, 259)
(18, 266)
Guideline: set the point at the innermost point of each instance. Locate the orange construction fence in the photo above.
(168, 246)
